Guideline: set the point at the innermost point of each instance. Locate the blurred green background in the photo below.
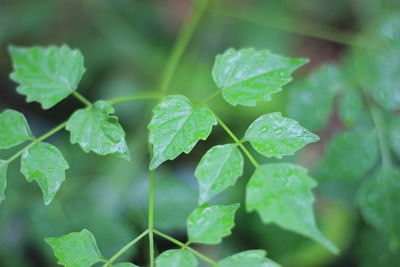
(126, 44)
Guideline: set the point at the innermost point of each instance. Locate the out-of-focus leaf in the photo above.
(124, 264)
(46, 74)
(3, 178)
(281, 194)
(14, 129)
(247, 75)
(176, 258)
(98, 131)
(350, 107)
(218, 169)
(44, 163)
(208, 224)
(394, 135)
(379, 199)
(176, 127)
(275, 136)
(249, 258)
(76, 249)
(310, 101)
(349, 155)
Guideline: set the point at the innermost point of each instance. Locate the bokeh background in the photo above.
(126, 44)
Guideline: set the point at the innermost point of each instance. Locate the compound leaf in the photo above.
(44, 163)
(311, 101)
(176, 127)
(247, 75)
(95, 129)
(218, 169)
(78, 249)
(208, 224)
(378, 198)
(14, 129)
(3, 178)
(249, 258)
(176, 258)
(46, 74)
(275, 136)
(281, 194)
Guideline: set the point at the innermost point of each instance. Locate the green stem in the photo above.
(210, 97)
(182, 42)
(151, 219)
(83, 99)
(40, 139)
(184, 246)
(125, 248)
(133, 97)
(377, 118)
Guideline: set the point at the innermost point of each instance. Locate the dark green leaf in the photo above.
(44, 163)
(176, 258)
(46, 74)
(76, 249)
(247, 75)
(219, 168)
(14, 129)
(3, 178)
(176, 127)
(249, 258)
(281, 194)
(98, 131)
(275, 136)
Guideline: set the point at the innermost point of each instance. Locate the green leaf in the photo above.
(124, 264)
(44, 163)
(46, 74)
(281, 194)
(351, 107)
(3, 178)
(14, 129)
(208, 224)
(379, 198)
(275, 136)
(311, 101)
(394, 135)
(176, 127)
(77, 249)
(219, 168)
(349, 155)
(249, 258)
(98, 131)
(176, 258)
(247, 75)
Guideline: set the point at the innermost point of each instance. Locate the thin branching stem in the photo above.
(83, 99)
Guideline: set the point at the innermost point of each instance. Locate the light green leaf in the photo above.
(249, 258)
(44, 163)
(219, 168)
(98, 131)
(176, 258)
(208, 224)
(351, 107)
(176, 127)
(349, 155)
(247, 75)
(379, 198)
(281, 194)
(311, 101)
(46, 74)
(14, 129)
(275, 136)
(394, 135)
(3, 178)
(77, 249)
(124, 264)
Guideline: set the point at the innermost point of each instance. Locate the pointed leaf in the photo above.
(208, 224)
(275, 136)
(176, 127)
(14, 129)
(176, 258)
(46, 74)
(77, 249)
(219, 168)
(281, 194)
(247, 75)
(379, 199)
(3, 178)
(44, 163)
(249, 258)
(95, 129)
